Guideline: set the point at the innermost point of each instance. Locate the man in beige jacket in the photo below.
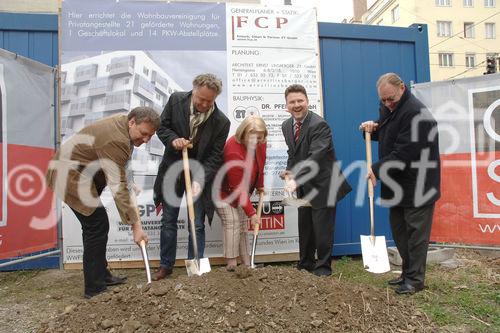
(85, 164)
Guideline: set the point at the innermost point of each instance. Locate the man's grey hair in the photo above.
(208, 80)
(391, 78)
(146, 114)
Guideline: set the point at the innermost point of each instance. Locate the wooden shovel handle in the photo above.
(259, 213)
(187, 176)
(368, 143)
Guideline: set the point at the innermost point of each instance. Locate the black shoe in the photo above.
(115, 280)
(397, 281)
(409, 289)
(322, 272)
(307, 268)
(90, 294)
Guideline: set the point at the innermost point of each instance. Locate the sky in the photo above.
(328, 10)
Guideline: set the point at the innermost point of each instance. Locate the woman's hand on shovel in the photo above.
(139, 233)
(254, 220)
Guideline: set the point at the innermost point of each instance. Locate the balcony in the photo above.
(85, 73)
(68, 93)
(100, 86)
(144, 88)
(120, 67)
(79, 107)
(117, 101)
(161, 83)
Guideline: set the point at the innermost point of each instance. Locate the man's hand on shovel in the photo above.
(195, 188)
(290, 184)
(179, 144)
(138, 233)
(371, 176)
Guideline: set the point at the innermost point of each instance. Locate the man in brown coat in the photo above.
(86, 163)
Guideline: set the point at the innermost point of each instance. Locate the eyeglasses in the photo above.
(390, 99)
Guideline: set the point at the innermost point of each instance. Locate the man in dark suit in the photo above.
(313, 173)
(409, 170)
(189, 117)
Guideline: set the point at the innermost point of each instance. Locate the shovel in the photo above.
(196, 266)
(144, 253)
(373, 248)
(256, 229)
(291, 200)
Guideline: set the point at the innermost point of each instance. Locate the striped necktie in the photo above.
(296, 134)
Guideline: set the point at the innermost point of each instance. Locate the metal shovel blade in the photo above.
(146, 260)
(374, 251)
(254, 245)
(197, 266)
(295, 202)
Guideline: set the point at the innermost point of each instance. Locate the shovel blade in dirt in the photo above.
(375, 258)
(197, 266)
(373, 248)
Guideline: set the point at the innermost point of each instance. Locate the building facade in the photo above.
(111, 83)
(462, 33)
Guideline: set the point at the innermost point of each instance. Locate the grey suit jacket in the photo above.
(315, 146)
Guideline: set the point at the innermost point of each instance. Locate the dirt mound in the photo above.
(268, 299)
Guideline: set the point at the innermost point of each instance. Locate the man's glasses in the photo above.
(389, 99)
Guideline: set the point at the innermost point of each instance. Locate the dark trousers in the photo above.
(95, 229)
(168, 233)
(411, 229)
(316, 227)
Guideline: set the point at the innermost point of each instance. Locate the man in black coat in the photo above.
(189, 117)
(311, 154)
(409, 170)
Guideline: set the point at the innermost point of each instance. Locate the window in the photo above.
(489, 3)
(468, 3)
(446, 59)
(469, 30)
(443, 28)
(395, 14)
(489, 30)
(443, 2)
(145, 70)
(470, 60)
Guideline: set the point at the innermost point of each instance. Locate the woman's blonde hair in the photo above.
(250, 124)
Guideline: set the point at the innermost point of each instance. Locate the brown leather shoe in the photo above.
(162, 273)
